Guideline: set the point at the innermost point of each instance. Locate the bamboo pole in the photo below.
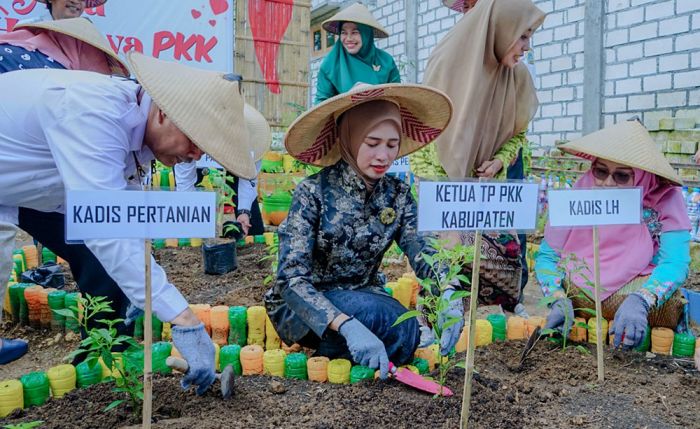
(598, 307)
(473, 299)
(147, 341)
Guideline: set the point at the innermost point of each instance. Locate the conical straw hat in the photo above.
(425, 112)
(205, 105)
(259, 134)
(459, 5)
(357, 13)
(627, 143)
(88, 3)
(85, 31)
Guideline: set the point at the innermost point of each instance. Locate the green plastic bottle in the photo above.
(259, 239)
(231, 355)
(35, 386)
(157, 327)
(159, 243)
(15, 291)
(238, 324)
(498, 322)
(165, 178)
(645, 345)
(160, 352)
(71, 300)
(422, 364)
(86, 375)
(360, 372)
(138, 327)
(683, 345)
(183, 242)
(133, 360)
(57, 301)
(23, 308)
(47, 255)
(295, 366)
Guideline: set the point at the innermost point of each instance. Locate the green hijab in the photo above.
(371, 65)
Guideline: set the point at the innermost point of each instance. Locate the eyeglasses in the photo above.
(620, 177)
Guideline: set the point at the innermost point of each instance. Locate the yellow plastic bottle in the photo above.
(484, 332)
(534, 322)
(11, 396)
(6, 306)
(339, 371)
(269, 238)
(415, 287)
(273, 362)
(593, 331)
(662, 341)
(252, 359)
(195, 242)
(317, 368)
(217, 352)
(167, 332)
(403, 291)
(171, 242)
(463, 341)
(427, 354)
(256, 325)
(516, 328)
(272, 340)
(61, 379)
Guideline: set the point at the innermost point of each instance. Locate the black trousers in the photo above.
(49, 229)
(517, 171)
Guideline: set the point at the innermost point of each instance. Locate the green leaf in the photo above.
(64, 312)
(548, 331)
(583, 350)
(113, 405)
(407, 315)
(451, 321)
(459, 295)
(587, 311)
(546, 301)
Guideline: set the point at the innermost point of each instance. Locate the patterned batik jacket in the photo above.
(334, 238)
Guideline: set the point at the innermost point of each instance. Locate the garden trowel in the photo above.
(226, 377)
(416, 381)
(534, 338)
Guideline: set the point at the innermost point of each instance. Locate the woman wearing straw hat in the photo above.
(641, 266)
(329, 294)
(354, 57)
(80, 130)
(62, 9)
(75, 44)
(477, 65)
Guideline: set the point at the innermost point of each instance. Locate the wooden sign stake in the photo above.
(598, 307)
(473, 300)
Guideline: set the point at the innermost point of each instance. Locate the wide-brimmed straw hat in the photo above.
(627, 143)
(85, 31)
(259, 134)
(88, 3)
(357, 13)
(459, 5)
(425, 112)
(205, 105)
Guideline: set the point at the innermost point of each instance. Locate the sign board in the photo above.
(486, 206)
(600, 206)
(139, 214)
(198, 34)
(400, 165)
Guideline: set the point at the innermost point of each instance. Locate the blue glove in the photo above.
(132, 313)
(366, 349)
(195, 346)
(561, 316)
(630, 322)
(453, 310)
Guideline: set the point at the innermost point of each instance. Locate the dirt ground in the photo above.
(554, 390)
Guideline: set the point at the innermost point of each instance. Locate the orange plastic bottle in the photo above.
(516, 328)
(219, 324)
(662, 340)
(252, 359)
(317, 368)
(32, 295)
(203, 313)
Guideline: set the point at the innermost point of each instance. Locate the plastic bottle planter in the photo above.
(661, 340)
(160, 352)
(273, 362)
(498, 323)
(421, 365)
(31, 256)
(195, 242)
(159, 244)
(238, 324)
(256, 325)
(415, 287)
(16, 292)
(32, 295)
(401, 291)
(203, 313)
(462, 341)
(339, 371)
(183, 242)
(645, 345)
(516, 328)
(45, 316)
(294, 348)
(428, 355)
(592, 330)
(217, 356)
(484, 333)
(360, 373)
(18, 257)
(295, 366)
(534, 322)
(56, 301)
(317, 368)
(47, 255)
(231, 355)
(11, 397)
(71, 300)
(252, 359)
(7, 305)
(86, 375)
(272, 340)
(683, 345)
(167, 333)
(219, 258)
(219, 324)
(35, 387)
(61, 379)
(156, 328)
(171, 242)
(276, 207)
(578, 333)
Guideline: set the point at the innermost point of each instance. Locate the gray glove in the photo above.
(366, 349)
(195, 346)
(132, 313)
(453, 310)
(561, 317)
(630, 323)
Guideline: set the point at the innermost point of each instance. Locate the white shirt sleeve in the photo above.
(89, 142)
(248, 190)
(185, 176)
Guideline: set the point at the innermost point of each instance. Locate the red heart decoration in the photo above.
(218, 6)
(212, 22)
(196, 14)
(268, 22)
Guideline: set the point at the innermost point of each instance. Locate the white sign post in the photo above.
(475, 206)
(144, 215)
(595, 207)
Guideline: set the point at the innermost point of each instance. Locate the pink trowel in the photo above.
(416, 381)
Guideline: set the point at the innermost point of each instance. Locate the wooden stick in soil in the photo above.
(473, 300)
(598, 307)
(147, 341)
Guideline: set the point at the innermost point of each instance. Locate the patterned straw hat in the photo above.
(85, 31)
(425, 113)
(205, 105)
(459, 5)
(627, 143)
(357, 13)
(88, 3)
(259, 134)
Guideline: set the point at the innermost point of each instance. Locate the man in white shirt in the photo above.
(80, 130)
